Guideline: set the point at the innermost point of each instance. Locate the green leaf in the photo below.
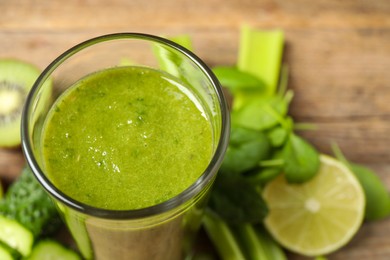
(278, 136)
(236, 80)
(237, 201)
(261, 114)
(246, 149)
(301, 159)
(260, 53)
(264, 175)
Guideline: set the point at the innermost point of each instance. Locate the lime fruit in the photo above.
(319, 216)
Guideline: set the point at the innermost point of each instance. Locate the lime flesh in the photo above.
(318, 216)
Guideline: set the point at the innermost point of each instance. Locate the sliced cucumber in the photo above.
(15, 236)
(50, 249)
(5, 254)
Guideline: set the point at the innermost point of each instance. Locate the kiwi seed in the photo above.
(12, 98)
(16, 79)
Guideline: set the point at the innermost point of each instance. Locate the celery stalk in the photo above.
(257, 244)
(170, 61)
(250, 243)
(260, 53)
(222, 237)
(183, 40)
(273, 249)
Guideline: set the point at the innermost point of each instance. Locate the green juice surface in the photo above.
(126, 138)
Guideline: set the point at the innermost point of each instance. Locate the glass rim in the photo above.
(176, 201)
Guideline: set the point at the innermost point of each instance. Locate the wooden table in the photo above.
(338, 53)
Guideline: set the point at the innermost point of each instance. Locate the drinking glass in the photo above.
(162, 231)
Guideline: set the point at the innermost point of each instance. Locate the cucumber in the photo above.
(5, 254)
(28, 203)
(50, 249)
(16, 236)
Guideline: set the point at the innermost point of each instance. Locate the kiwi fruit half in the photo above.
(16, 79)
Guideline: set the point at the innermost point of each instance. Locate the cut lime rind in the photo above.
(319, 216)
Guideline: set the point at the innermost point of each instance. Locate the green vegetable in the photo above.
(257, 243)
(277, 136)
(237, 201)
(261, 114)
(301, 160)
(262, 145)
(272, 248)
(222, 237)
(260, 128)
(269, 171)
(244, 241)
(27, 203)
(260, 53)
(236, 80)
(246, 149)
(171, 61)
(15, 236)
(52, 250)
(5, 253)
(183, 40)
(377, 196)
(249, 241)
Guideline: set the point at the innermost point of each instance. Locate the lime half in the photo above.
(319, 216)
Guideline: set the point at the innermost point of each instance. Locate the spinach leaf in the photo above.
(301, 159)
(261, 114)
(236, 80)
(237, 201)
(277, 136)
(264, 175)
(246, 149)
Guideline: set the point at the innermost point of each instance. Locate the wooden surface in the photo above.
(338, 53)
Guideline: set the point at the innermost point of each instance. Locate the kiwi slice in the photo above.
(16, 79)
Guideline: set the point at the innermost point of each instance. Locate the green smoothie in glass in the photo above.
(126, 138)
(129, 152)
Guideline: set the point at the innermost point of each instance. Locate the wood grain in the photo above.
(338, 53)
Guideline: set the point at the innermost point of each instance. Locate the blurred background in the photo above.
(338, 53)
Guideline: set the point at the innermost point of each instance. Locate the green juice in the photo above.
(126, 138)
